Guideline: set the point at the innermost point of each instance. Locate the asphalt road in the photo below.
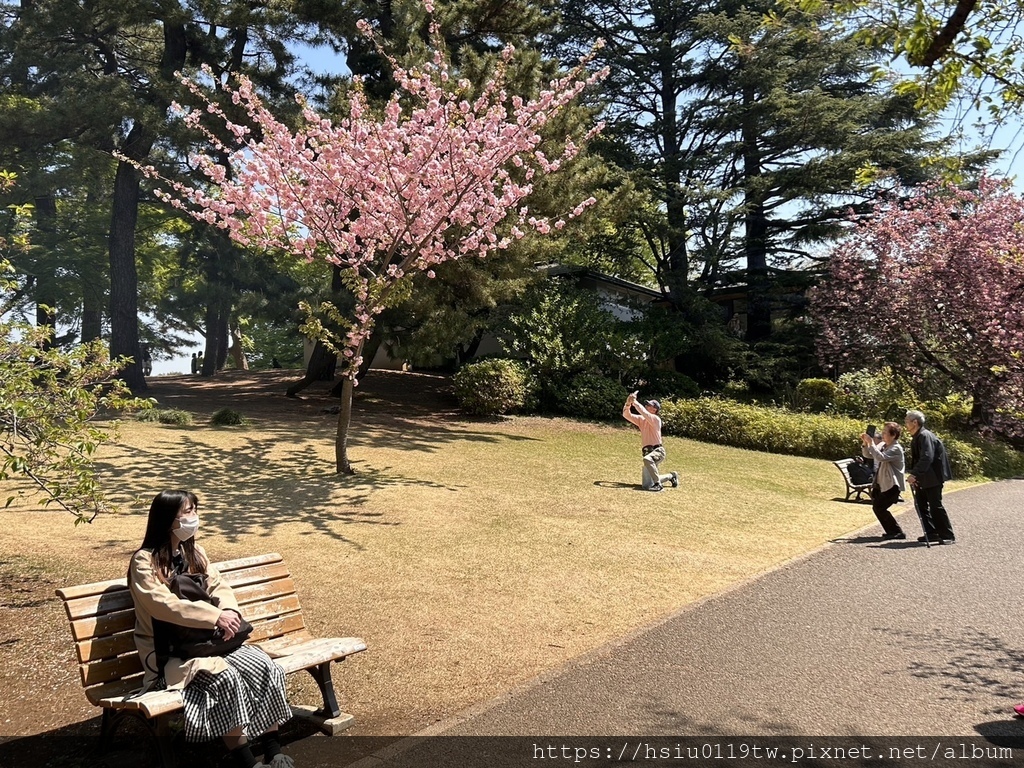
(860, 638)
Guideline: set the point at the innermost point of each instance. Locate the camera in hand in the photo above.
(871, 430)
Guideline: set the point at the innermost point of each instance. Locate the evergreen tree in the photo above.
(752, 142)
(102, 76)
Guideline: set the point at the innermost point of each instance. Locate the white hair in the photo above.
(916, 416)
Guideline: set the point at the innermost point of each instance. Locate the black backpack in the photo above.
(860, 471)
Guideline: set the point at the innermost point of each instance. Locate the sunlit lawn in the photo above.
(470, 555)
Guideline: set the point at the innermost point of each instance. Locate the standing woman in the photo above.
(235, 697)
(889, 481)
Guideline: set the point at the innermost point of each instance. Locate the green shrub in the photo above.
(881, 394)
(173, 416)
(592, 396)
(492, 387)
(967, 459)
(659, 384)
(1001, 460)
(775, 430)
(952, 413)
(815, 395)
(226, 417)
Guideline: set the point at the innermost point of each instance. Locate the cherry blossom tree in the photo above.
(440, 173)
(933, 284)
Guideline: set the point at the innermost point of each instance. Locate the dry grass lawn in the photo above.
(471, 555)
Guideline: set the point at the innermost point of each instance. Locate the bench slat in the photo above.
(97, 648)
(87, 590)
(264, 591)
(256, 612)
(248, 562)
(114, 688)
(115, 599)
(319, 651)
(111, 669)
(241, 577)
(100, 626)
(276, 627)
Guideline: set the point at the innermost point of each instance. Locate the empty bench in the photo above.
(852, 489)
(102, 617)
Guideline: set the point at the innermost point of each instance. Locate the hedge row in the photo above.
(774, 430)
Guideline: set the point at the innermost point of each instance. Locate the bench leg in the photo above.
(107, 726)
(322, 674)
(159, 728)
(162, 733)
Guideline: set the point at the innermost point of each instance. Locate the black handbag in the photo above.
(192, 642)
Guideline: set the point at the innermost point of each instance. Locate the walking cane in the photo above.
(920, 517)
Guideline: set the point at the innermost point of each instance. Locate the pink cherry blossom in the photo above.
(933, 284)
(382, 194)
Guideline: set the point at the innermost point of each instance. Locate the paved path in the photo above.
(862, 637)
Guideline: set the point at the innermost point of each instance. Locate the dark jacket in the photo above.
(928, 460)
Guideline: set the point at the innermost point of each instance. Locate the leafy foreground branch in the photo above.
(48, 397)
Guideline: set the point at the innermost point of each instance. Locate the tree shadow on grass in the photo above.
(260, 493)
(252, 487)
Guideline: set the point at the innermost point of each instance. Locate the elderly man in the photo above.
(929, 470)
(649, 422)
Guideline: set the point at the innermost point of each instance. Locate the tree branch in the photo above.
(944, 39)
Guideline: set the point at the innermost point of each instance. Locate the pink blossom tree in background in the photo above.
(440, 173)
(933, 284)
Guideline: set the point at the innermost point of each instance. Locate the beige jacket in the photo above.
(154, 600)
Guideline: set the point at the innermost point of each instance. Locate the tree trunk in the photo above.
(124, 281)
(370, 347)
(321, 361)
(237, 351)
(343, 466)
(983, 407)
(222, 331)
(92, 314)
(675, 276)
(755, 235)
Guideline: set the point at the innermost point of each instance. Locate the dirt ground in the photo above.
(33, 721)
(523, 575)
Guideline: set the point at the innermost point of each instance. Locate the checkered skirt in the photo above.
(250, 693)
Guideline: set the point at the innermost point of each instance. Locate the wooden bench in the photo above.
(102, 617)
(852, 489)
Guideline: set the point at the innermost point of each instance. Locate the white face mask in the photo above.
(187, 528)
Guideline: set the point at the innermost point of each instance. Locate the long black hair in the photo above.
(162, 513)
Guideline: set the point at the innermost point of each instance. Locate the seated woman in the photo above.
(234, 697)
(889, 479)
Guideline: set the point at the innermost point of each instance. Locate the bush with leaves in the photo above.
(49, 398)
(659, 384)
(815, 395)
(563, 331)
(173, 416)
(228, 417)
(775, 430)
(492, 387)
(881, 393)
(592, 396)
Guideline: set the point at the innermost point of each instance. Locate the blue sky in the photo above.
(1009, 137)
